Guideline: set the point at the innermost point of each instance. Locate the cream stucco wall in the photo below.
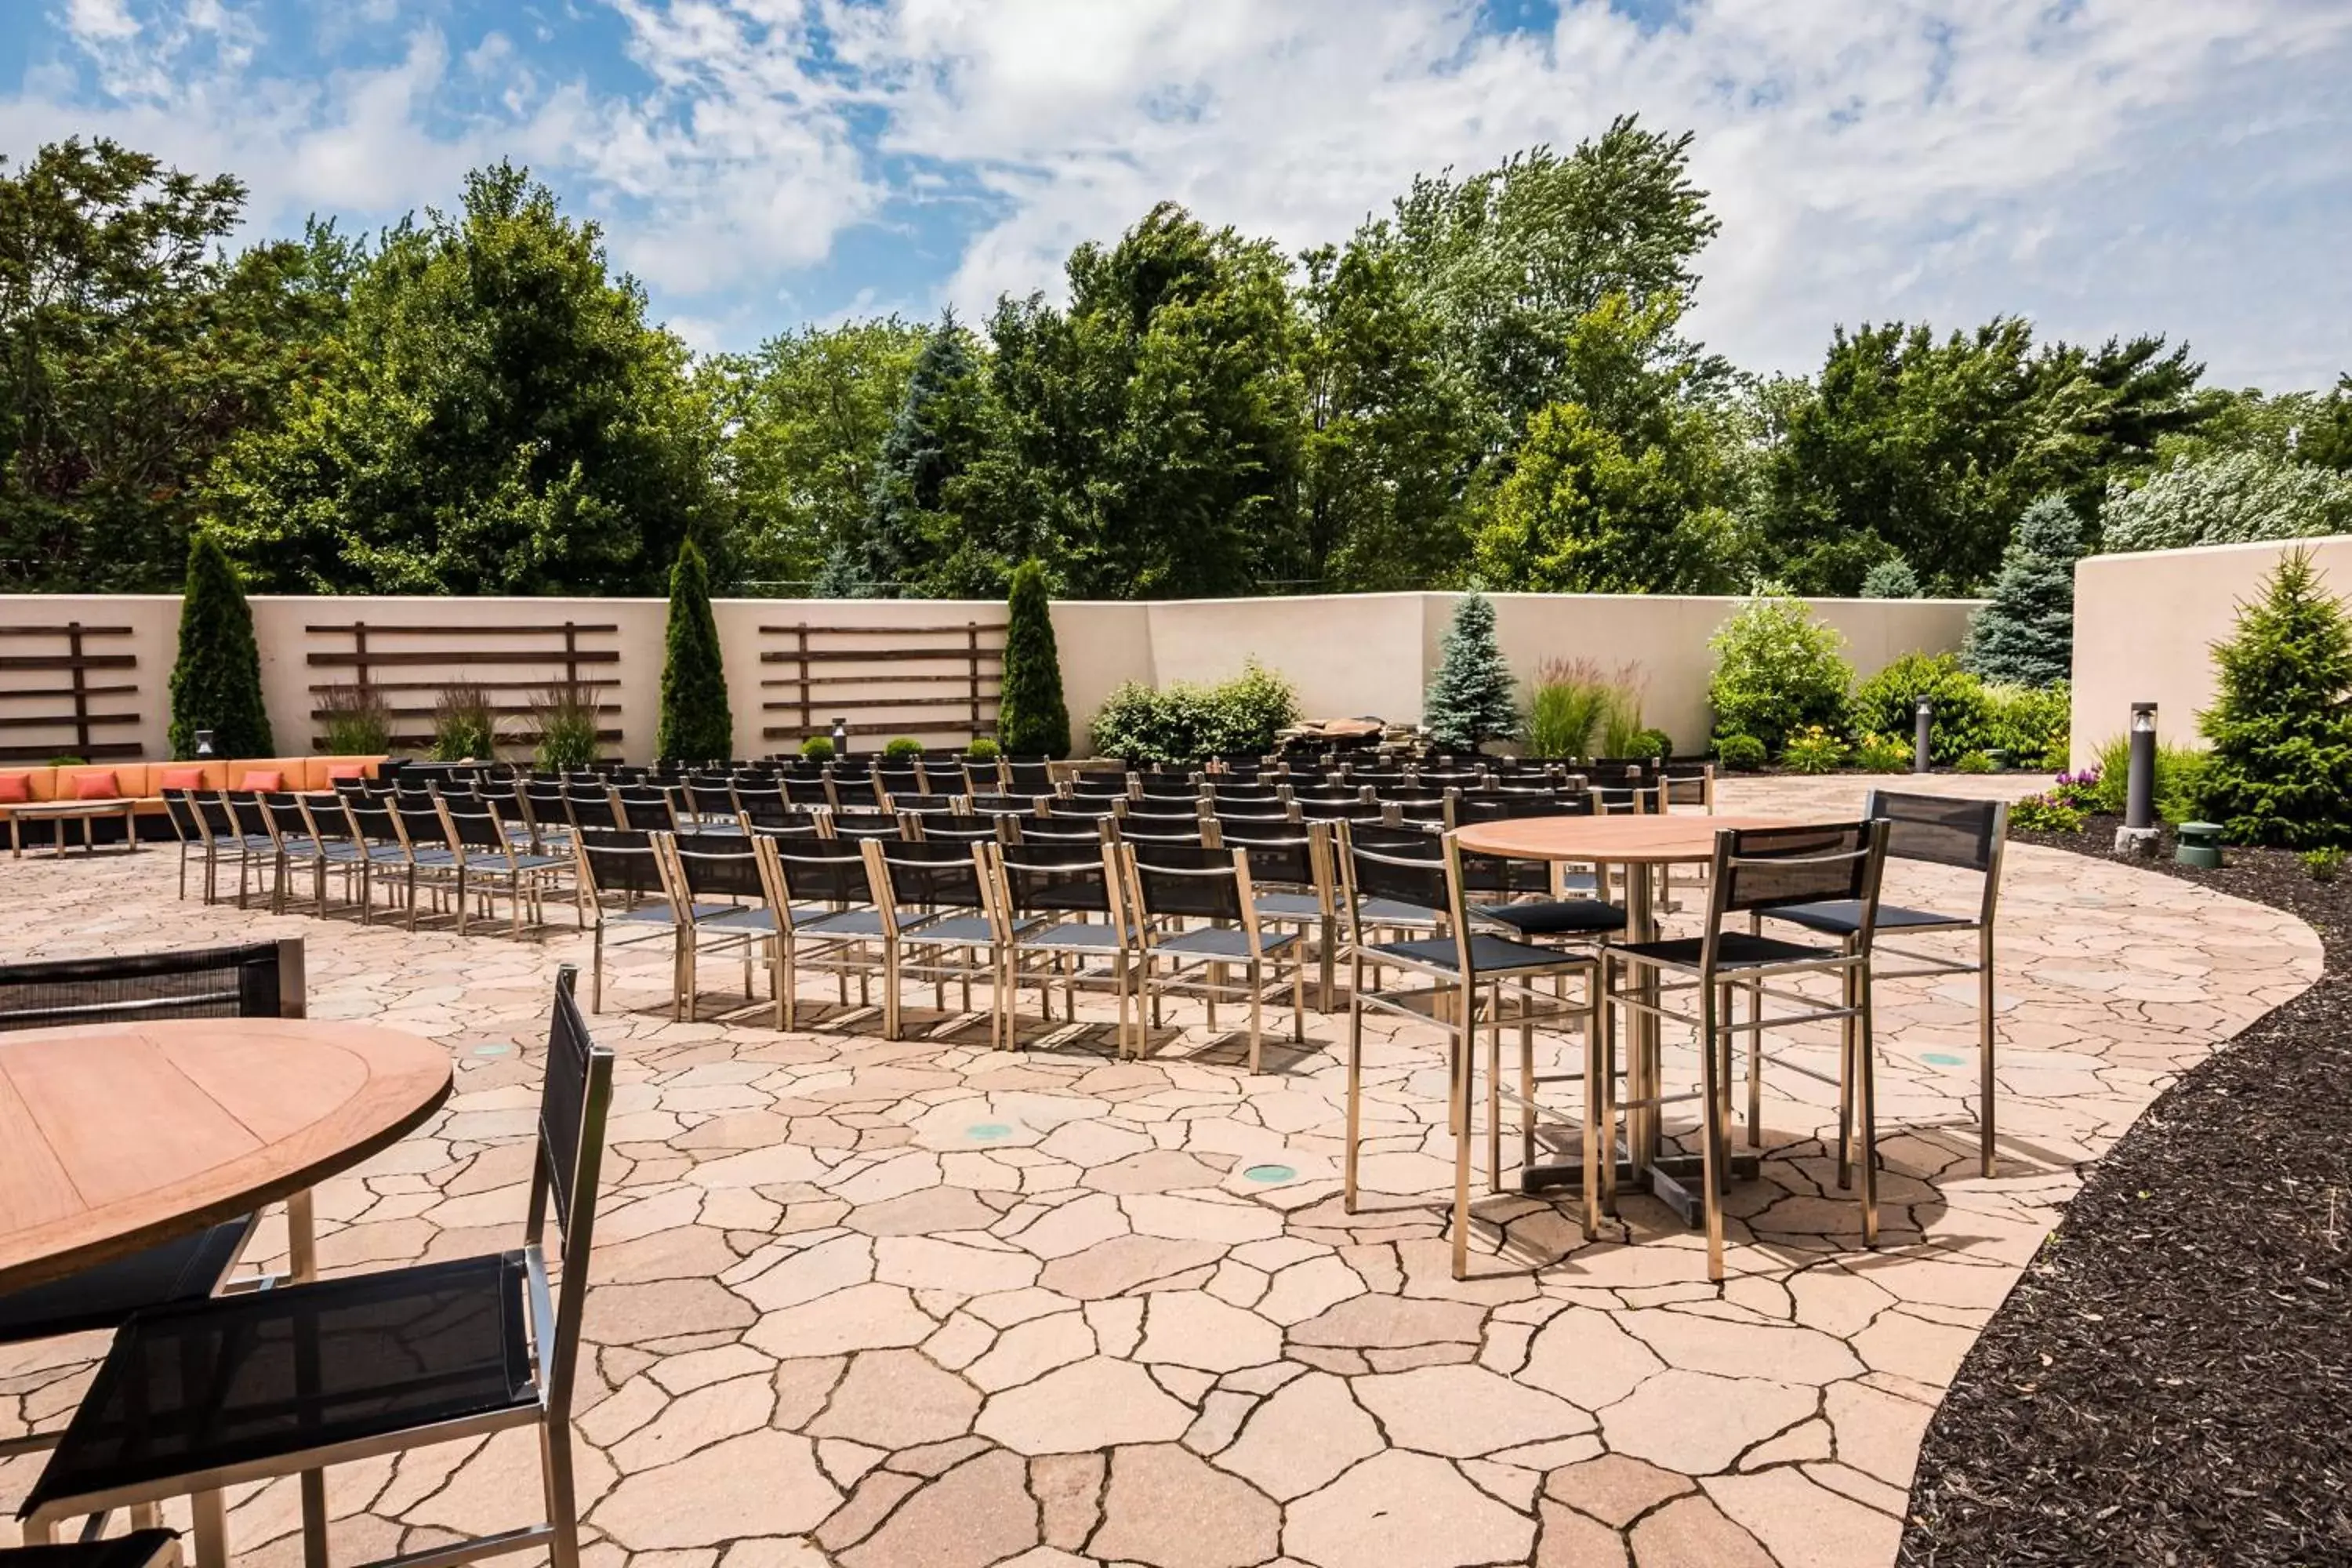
(1347, 654)
(2145, 626)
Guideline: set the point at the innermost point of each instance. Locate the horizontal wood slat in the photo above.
(73, 695)
(68, 661)
(958, 703)
(373, 630)
(476, 656)
(25, 631)
(44, 722)
(817, 631)
(102, 752)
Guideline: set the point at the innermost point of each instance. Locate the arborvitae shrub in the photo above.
(696, 724)
(1032, 720)
(216, 683)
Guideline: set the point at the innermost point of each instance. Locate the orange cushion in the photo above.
(181, 778)
(16, 789)
(96, 786)
(340, 770)
(270, 779)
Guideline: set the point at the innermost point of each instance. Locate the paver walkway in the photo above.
(925, 1305)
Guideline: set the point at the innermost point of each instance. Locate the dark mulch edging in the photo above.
(2171, 1381)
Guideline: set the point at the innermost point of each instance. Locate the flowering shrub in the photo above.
(2046, 813)
(1812, 750)
(1876, 753)
(2078, 793)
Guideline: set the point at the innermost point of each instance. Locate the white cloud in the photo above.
(2105, 166)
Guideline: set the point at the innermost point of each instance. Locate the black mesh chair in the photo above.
(1968, 835)
(618, 873)
(1292, 884)
(202, 1396)
(1056, 916)
(941, 883)
(589, 803)
(1757, 871)
(828, 920)
(982, 777)
(261, 980)
(650, 807)
(846, 791)
(432, 855)
(927, 826)
(1462, 977)
(858, 825)
(1167, 888)
(227, 839)
(377, 844)
(763, 806)
(894, 779)
(487, 864)
(719, 900)
(993, 803)
(181, 812)
(1075, 832)
(140, 1549)
(1028, 775)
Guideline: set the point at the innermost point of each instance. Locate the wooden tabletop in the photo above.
(1619, 839)
(115, 1137)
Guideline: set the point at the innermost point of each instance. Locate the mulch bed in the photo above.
(2170, 1384)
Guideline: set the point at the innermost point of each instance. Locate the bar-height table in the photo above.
(1638, 844)
(117, 1137)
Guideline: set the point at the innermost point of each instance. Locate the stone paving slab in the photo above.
(875, 1304)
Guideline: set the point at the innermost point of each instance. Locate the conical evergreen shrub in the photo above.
(2280, 768)
(2026, 633)
(1032, 719)
(217, 682)
(696, 724)
(1470, 698)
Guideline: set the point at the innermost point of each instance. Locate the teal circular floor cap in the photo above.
(1268, 1173)
(492, 1050)
(1944, 1060)
(988, 1131)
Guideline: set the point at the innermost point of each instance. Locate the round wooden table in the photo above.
(115, 1137)
(1637, 844)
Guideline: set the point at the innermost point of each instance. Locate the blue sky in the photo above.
(2104, 166)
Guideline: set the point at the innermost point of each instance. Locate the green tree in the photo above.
(2280, 771)
(217, 682)
(1386, 451)
(493, 417)
(909, 545)
(1151, 430)
(2025, 633)
(1509, 260)
(1032, 719)
(1472, 699)
(132, 347)
(1890, 578)
(1931, 450)
(809, 410)
(2227, 499)
(697, 723)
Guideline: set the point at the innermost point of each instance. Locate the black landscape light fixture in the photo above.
(2139, 781)
(204, 743)
(1923, 725)
(841, 738)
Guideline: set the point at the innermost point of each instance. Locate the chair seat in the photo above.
(1555, 917)
(187, 1269)
(1489, 955)
(1288, 907)
(960, 931)
(136, 1549)
(663, 915)
(741, 917)
(257, 1378)
(1734, 950)
(1843, 917)
(1070, 936)
(1223, 943)
(1394, 913)
(863, 923)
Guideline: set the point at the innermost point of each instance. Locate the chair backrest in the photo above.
(711, 866)
(244, 809)
(1510, 805)
(1032, 777)
(1096, 806)
(371, 820)
(983, 778)
(929, 805)
(763, 806)
(1409, 870)
(590, 806)
(1055, 878)
(928, 874)
(858, 825)
(1767, 868)
(262, 980)
(475, 825)
(922, 826)
(1276, 858)
(1190, 881)
(1076, 831)
(420, 821)
(182, 810)
(575, 1096)
(807, 791)
(212, 812)
(1940, 829)
(616, 862)
(853, 792)
(648, 807)
(895, 779)
(285, 812)
(1155, 829)
(818, 871)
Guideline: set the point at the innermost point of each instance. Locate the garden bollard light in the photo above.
(2139, 784)
(1923, 724)
(841, 739)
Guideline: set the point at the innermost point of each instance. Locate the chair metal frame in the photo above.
(554, 1314)
(1719, 981)
(700, 913)
(1160, 935)
(1460, 996)
(1041, 939)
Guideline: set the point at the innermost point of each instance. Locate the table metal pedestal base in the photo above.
(1672, 1180)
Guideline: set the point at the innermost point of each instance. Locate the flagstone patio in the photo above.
(923, 1305)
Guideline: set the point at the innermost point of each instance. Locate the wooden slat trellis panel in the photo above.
(66, 706)
(960, 699)
(565, 659)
